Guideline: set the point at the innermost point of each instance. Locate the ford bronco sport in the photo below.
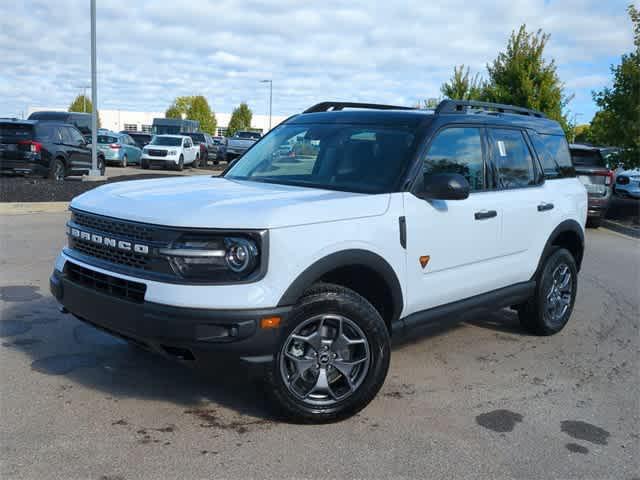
(388, 217)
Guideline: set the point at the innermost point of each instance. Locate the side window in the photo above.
(512, 159)
(458, 150)
(76, 136)
(553, 151)
(67, 139)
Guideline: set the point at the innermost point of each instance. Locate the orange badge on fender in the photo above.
(424, 260)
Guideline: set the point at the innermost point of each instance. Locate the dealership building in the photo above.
(118, 120)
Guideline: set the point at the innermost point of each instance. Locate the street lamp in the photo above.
(84, 96)
(270, 82)
(94, 172)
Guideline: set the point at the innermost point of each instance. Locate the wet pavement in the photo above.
(465, 398)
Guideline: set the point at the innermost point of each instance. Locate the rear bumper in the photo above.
(598, 206)
(29, 167)
(193, 336)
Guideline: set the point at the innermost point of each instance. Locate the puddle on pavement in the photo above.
(19, 293)
(575, 448)
(61, 364)
(9, 328)
(501, 421)
(585, 431)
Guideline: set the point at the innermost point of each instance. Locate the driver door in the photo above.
(453, 245)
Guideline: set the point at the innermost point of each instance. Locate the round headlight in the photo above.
(241, 255)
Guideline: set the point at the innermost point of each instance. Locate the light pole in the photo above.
(94, 97)
(270, 82)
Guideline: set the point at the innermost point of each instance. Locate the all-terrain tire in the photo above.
(332, 301)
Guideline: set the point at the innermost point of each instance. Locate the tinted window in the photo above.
(587, 158)
(512, 159)
(76, 136)
(553, 152)
(15, 132)
(48, 133)
(107, 139)
(457, 150)
(197, 137)
(357, 158)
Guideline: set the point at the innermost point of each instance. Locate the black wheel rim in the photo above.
(558, 298)
(325, 360)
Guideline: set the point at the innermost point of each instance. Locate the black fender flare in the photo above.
(346, 258)
(565, 226)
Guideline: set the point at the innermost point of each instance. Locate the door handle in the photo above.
(484, 214)
(543, 207)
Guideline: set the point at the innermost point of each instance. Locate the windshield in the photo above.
(356, 158)
(166, 141)
(197, 137)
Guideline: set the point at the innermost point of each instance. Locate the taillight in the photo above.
(114, 146)
(34, 147)
(607, 174)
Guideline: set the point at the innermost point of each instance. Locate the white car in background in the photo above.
(174, 151)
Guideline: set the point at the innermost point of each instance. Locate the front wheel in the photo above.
(548, 311)
(180, 165)
(196, 162)
(333, 358)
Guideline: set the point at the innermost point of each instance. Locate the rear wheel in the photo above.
(594, 222)
(124, 161)
(333, 358)
(57, 170)
(548, 311)
(102, 166)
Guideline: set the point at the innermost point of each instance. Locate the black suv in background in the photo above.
(82, 121)
(141, 139)
(593, 171)
(51, 149)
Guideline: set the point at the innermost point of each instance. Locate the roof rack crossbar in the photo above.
(456, 106)
(335, 106)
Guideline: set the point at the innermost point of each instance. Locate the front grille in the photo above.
(116, 287)
(128, 259)
(114, 227)
(157, 153)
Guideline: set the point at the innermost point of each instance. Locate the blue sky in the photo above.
(150, 51)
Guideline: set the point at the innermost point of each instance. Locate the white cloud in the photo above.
(150, 51)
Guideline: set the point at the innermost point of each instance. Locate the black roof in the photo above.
(51, 114)
(449, 111)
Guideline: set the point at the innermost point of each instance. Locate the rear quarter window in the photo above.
(553, 152)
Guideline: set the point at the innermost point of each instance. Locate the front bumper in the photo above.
(195, 336)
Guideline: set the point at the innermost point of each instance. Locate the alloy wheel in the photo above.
(558, 299)
(325, 359)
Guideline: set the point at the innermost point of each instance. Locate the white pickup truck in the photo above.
(171, 150)
(240, 143)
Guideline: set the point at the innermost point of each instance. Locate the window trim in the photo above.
(415, 182)
(538, 172)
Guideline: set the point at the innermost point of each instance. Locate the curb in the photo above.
(620, 228)
(25, 208)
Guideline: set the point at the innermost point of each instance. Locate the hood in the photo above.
(209, 202)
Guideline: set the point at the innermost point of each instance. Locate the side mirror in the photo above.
(445, 186)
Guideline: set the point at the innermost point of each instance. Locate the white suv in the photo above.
(306, 264)
(174, 151)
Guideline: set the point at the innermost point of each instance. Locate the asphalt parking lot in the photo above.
(467, 398)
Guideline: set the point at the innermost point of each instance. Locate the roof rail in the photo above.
(335, 106)
(456, 106)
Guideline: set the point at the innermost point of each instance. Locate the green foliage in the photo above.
(194, 108)
(83, 104)
(521, 76)
(617, 123)
(582, 133)
(240, 119)
(463, 86)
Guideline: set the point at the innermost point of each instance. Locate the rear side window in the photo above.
(512, 159)
(48, 133)
(553, 152)
(458, 150)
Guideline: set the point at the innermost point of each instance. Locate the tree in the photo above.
(582, 133)
(521, 76)
(240, 119)
(194, 108)
(82, 104)
(463, 86)
(617, 123)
